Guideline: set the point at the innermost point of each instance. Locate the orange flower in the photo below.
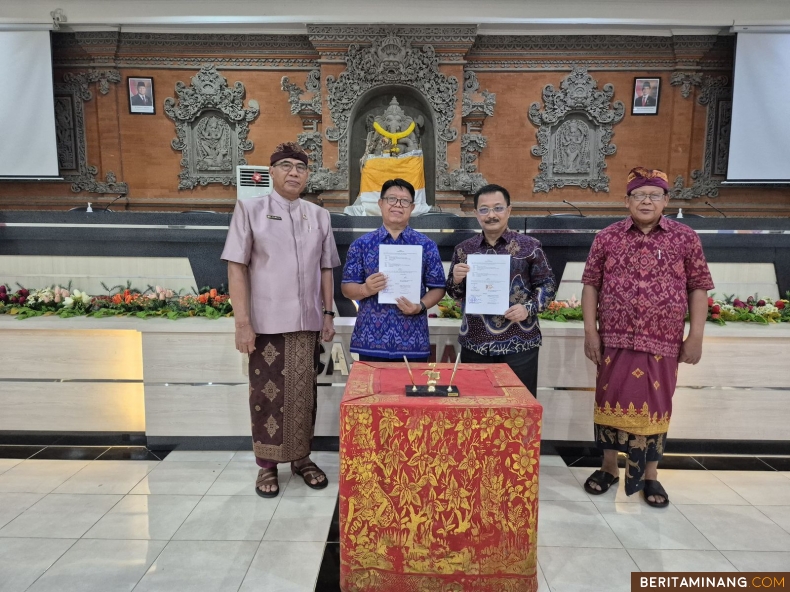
(116, 299)
(203, 298)
(128, 298)
(213, 293)
(126, 293)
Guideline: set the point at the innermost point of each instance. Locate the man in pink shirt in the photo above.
(642, 275)
(280, 252)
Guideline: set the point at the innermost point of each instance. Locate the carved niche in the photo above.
(211, 128)
(390, 60)
(70, 96)
(575, 132)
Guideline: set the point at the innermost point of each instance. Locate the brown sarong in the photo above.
(283, 394)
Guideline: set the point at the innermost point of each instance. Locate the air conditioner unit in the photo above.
(247, 187)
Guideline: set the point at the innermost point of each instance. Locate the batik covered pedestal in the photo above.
(441, 493)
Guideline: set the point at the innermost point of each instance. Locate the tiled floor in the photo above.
(192, 522)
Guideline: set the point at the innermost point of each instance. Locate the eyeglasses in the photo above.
(289, 166)
(652, 196)
(392, 200)
(485, 210)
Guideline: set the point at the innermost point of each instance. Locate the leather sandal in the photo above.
(310, 472)
(267, 477)
(602, 479)
(654, 488)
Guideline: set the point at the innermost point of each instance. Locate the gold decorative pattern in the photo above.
(608, 360)
(270, 390)
(271, 426)
(638, 373)
(658, 358)
(270, 353)
(656, 384)
(632, 421)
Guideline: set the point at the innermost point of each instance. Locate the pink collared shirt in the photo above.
(643, 282)
(285, 245)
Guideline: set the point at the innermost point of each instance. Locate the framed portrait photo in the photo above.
(646, 96)
(141, 95)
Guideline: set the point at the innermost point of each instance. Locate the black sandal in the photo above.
(309, 472)
(267, 477)
(654, 487)
(602, 479)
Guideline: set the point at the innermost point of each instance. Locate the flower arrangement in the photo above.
(449, 308)
(752, 310)
(563, 310)
(119, 301)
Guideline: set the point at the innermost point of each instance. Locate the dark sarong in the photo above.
(283, 394)
(633, 406)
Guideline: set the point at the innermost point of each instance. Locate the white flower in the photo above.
(85, 298)
(68, 302)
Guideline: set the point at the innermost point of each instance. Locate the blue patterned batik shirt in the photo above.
(382, 330)
(531, 284)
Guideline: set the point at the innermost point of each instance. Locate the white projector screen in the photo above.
(760, 109)
(27, 106)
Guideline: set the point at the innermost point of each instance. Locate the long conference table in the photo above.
(182, 384)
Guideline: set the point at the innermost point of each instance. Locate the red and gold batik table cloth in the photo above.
(438, 494)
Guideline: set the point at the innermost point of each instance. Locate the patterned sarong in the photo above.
(283, 394)
(633, 406)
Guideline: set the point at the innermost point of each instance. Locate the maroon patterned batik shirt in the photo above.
(643, 281)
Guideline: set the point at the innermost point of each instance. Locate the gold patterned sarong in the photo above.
(283, 394)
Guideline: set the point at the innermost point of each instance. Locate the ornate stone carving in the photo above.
(295, 92)
(70, 131)
(471, 106)
(686, 80)
(211, 128)
(574, 132)
(418, 34)
(716, 94)
(311, 141)
(389, 60)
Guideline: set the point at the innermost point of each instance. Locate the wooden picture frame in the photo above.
(141, 95)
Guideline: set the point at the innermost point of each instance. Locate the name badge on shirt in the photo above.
(274, 217)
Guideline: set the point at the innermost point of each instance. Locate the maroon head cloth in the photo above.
(641, 177)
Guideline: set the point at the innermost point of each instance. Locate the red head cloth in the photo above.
(641, 177)
(289, 150)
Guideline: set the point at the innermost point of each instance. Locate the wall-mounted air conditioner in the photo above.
(252, 181)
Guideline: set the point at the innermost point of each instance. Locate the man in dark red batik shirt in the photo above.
(642, 275)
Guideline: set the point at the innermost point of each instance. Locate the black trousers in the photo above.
(364, 358)
(524, 364)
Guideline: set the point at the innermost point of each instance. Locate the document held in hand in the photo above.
(488, 284)
(402, 264)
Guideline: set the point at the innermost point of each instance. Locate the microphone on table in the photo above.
(107, 207)
(565, 201)
(707, 203)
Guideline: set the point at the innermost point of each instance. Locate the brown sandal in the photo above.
(267, 477)
(309, 472)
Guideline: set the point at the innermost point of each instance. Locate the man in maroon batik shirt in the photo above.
(642, 275)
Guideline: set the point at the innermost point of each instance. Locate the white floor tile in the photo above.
(239, 479)
(698, 487)
(586, 570)
(305, 507)
(675, 560)
(100, 566)
(758, 560)
(559, 484)
(39, 476)
(247, 456)
(200, 456)
(736, 528)
(107, 476)
(307, 528)
(639, 526)
(60, 516)
(199, 566)
(23, 560)
(227, 518)
(144, 517)
(779, 514)
(543, 585)
(551, 460)
(573, 524)
(7, 463)
(180, 478)
(13, 504)
(760, 488)
(298, 488)
(284, 567)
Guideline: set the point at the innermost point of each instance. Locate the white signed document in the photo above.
(488, 284)
(402, 264)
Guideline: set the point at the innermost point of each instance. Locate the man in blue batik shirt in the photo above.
(513, 337)
(387, 332)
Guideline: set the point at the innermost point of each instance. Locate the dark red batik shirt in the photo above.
(643, 281)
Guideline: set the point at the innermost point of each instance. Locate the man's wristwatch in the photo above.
(422, 308)
(331, 313)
